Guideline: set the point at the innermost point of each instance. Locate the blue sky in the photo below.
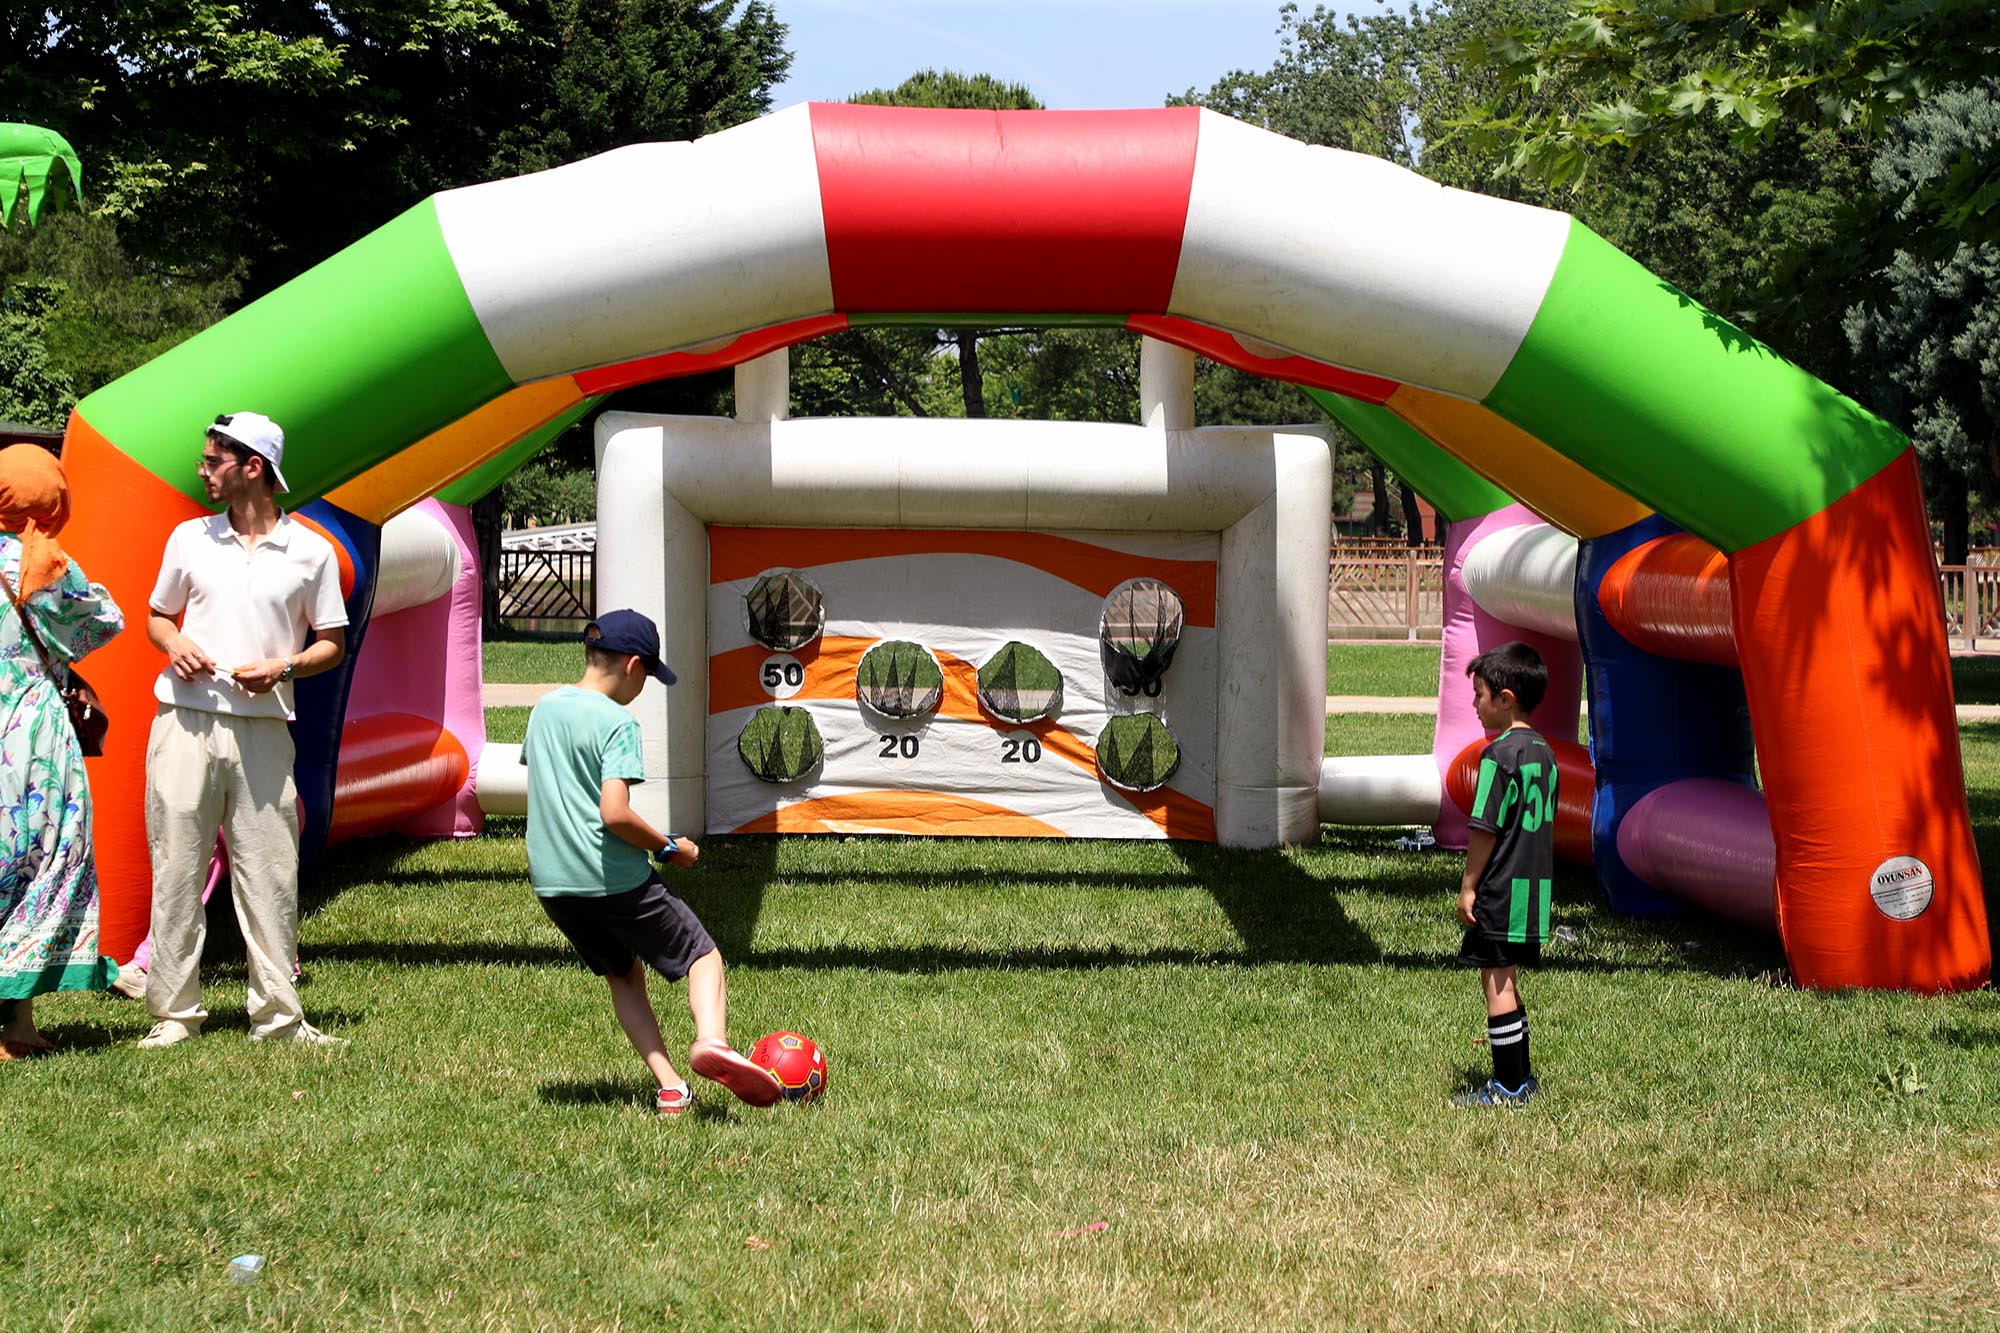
(1071, 53)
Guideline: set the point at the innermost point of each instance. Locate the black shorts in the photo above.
(648, 923)
(1482, 950)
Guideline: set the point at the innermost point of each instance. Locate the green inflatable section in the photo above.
(387, 315)
(1679, 408)
(1454, 489)
(35, 166)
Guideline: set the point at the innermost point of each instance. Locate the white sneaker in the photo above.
(131, 981)
(302, 1033)
(166, 1032)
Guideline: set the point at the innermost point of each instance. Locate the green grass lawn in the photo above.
(532, 661)
(1382, 669)
(1236, 1063)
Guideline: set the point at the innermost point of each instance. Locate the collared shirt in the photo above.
(244, 603)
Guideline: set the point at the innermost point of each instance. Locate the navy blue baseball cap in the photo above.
(630, 632)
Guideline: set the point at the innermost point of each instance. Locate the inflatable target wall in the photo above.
(1510, 339)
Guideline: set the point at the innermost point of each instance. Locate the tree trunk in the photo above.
(1440, 528)
(1413, 519)
(968, 373)
(1954, 516)
(1378, 521)
(487, 516)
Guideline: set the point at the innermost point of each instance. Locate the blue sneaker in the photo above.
(1493, 1093)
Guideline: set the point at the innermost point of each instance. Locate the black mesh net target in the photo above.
(1138, 633)
(784, 610)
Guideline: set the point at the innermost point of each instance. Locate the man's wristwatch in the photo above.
(286, 674)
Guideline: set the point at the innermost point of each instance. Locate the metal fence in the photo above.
(548, 578)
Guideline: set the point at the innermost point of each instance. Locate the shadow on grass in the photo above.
(1968, 1038)
(1281, 913)
(593, 1092)
(1976, 680)
(446, 953)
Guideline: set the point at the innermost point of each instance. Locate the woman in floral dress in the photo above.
(48, 877)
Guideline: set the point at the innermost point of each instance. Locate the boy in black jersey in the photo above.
(1503, 900)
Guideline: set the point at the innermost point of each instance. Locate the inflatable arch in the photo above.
(452, 340)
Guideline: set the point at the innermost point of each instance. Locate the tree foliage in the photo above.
(1932, 340)
(1629, 74)
(272, 132)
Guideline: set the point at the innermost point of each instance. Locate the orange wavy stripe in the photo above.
(741, 553)
(927, 813)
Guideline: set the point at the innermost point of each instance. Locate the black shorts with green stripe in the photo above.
(1481, 950)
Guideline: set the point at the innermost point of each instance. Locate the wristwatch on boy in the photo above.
(667, 850)
(286, 674)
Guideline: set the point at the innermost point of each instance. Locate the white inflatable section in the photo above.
(500, 780)
(1359, 262)
(676, 246)
(419, 563)
(1266, 494)
(1379, 789)
(1526, 576)
(645, 249)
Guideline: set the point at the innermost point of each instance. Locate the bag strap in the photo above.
(28, 628)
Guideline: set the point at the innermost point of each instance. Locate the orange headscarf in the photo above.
(34, 502)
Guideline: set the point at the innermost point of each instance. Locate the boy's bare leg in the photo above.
(642, 1026)
(1501, 997)
(708, 997)
(711, 1054)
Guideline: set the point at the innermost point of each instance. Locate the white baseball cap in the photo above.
(260, 435)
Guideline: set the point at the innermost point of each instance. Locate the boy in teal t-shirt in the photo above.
(590, 859)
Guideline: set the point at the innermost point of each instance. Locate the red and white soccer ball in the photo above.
(800, 1068)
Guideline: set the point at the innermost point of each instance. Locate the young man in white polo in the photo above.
(245, 586)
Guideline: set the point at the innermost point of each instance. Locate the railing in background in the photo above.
(1971, 601)
(1377, 587)
(1381, 588)
(548, 578)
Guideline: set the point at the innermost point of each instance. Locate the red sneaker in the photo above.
(673, 1101)
(714, 1059)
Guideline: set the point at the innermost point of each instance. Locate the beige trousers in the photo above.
(210, 771)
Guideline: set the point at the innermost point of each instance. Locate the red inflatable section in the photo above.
(1222, 346)
(1006, 211)
(1857, 740)
(1575, 782)
(1671, 597)
(391, 765)
(124, 525)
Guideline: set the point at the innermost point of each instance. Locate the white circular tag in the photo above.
(1902, 888)
(782, 675)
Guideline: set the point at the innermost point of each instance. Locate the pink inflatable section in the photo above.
(1468, 632)
(415, 723)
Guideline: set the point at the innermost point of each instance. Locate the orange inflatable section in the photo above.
(391, 766)
(118, 538)
(1838, 620)
(1575, 782)
(1671, 597)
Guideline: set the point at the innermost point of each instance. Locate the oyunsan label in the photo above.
(1902, 888)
